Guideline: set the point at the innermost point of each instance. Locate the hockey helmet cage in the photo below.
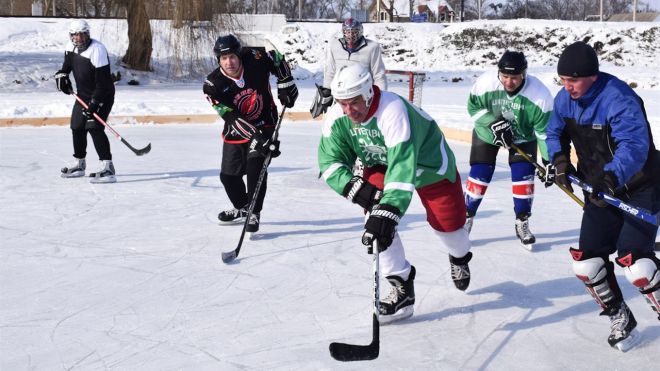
(352, 81)
(512, 63)
(79, 26)
(352, 31)
(227, 44)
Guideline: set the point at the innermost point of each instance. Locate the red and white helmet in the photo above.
(352, 31)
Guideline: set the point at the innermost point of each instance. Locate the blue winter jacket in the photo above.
(609, 131)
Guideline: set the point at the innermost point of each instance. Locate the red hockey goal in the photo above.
(406, 83)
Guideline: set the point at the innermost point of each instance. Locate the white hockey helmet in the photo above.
(79, 26)
(351, 81)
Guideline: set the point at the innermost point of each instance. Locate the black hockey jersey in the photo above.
(91, 70)
(246, 101)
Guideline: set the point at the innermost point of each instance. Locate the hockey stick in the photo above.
(228, 257)
(138, 152)
(541, 170)
(632, 210)
(351, 352)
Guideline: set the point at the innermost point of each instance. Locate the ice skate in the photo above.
(75, 170)
(253, 225)
(106, 174)
(399, 304)
(523, 233)
(623, 335)
(232, 216)
(460, 271)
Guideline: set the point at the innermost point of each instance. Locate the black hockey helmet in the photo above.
(352, 31)
(227, 44)
(512, 63)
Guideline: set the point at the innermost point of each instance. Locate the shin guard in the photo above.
(644, 273)
(597, 274)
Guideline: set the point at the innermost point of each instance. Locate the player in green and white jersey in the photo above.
(403, 151)
(507, 107)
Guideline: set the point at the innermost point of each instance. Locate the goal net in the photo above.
(408, 84)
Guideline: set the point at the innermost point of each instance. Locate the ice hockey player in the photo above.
(239, 90)
(88, 59)
(352, 48)
(507, 107)
(606, 123)
(403, 151)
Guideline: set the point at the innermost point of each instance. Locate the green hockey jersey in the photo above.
(398, 135)
(529, 110)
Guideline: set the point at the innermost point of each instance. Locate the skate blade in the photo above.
(103, 180)
(629, 342)
(253, 236)
(72, 175)
(401, 314)
(527, 246)
(231, 222)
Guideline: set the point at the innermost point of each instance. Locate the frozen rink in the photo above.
(128, 276)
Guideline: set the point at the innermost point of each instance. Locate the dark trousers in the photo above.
(80, 126)
(608, 230)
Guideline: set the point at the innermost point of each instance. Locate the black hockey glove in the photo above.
(63, 83)
(361, 192)
(287, 92)
(563, 167)
(263, 145)
(321, 102)
(501, 129)
(547, 176)
(605, 183)
(92, 108)
(381, 226)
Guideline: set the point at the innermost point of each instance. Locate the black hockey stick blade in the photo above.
(351, 352)
(138, 152)
(228, 257)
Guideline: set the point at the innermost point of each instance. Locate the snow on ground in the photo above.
(128, 276)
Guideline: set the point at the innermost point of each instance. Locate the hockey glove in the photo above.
(563, 167)
(548, 175)
(381, 226)
(605, 183)
(501, 129)
(361, 192)
(92, 108)
(263, 145)
(322, 101)
(63, 83)
(287, 92)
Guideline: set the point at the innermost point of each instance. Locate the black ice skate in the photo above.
(75, 170)
(526, 237)
(232, 215)
(460, 271)
(623, 335)
(398, 304)
(253, 224)
(106, 174)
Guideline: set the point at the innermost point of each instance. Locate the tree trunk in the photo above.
(138, 55)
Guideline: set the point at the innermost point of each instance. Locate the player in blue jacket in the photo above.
(606, 123)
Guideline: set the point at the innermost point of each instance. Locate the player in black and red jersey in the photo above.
(239, 90)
